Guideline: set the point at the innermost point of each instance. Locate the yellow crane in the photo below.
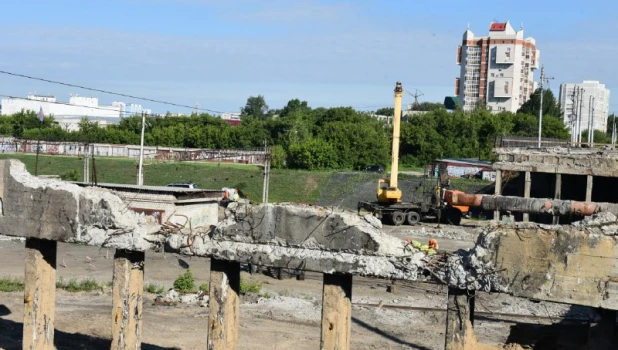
(388, 192)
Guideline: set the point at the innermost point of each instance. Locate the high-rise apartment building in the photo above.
(584, 103)
(497, 71)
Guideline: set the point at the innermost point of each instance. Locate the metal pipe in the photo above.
(531, 205)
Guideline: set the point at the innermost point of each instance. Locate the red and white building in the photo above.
(496, 70)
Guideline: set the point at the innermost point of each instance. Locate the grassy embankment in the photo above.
(285, 185)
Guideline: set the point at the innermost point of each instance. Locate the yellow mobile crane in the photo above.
(389, 206)
(388, 192)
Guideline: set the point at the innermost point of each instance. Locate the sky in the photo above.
(329, 53)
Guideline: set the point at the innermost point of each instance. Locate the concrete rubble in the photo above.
(600, 162)
(573, 264)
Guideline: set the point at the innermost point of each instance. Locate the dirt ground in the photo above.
(287, 313)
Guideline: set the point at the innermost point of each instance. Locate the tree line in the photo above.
(302, 137)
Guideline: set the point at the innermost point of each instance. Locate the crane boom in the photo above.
(396, 133)
(388, 192)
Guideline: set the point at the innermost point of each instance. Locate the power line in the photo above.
(106, 91)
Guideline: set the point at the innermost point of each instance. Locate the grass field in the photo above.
(285, 185)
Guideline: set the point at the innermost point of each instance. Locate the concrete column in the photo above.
(336, 312)
(224, 305)
(39, 294)
(589, 188)
(603, 335)
(527, 183)
(127, 299)
(459, 320)
(557, 195)
(498, 191)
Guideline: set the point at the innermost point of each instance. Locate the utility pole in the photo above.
(41, 117)
(591, 128)
(140, 169)
(573, 116)
(86, 163)
(614, 130)
(416, 95)
(579, 118)
(265, 186)
(543, 79)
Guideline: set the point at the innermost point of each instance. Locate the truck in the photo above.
(390, 209)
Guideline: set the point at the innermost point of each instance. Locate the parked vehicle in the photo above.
(182, 185)
(375, 169)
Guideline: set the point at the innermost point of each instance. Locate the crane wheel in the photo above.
(454, 216)
(413, 218)
(398, 218)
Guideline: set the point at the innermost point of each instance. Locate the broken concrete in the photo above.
(56, 210)
(573, 264)
(575, 161)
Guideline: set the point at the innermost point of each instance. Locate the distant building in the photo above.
(456, 167)
(496, 70)
(231, 118)
(584, 102)
(69, 114)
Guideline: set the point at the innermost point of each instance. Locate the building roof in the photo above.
(465, 161)
(497, 27)
(178, 192)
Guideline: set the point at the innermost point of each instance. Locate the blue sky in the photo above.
(329, 53)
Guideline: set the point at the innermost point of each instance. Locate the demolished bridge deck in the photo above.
(575, 264)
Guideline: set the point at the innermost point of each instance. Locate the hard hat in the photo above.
(432, 241)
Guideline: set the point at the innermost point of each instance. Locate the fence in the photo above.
(245, 156)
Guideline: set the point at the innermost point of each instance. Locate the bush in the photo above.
(249, 287)
(11, 284)
(153, 289)
(71, 175)
(86, 285)
(204, 287)
(185, 282)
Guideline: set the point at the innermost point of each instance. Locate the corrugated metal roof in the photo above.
(159, 189)
(465, 161)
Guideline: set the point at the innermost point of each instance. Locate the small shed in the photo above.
(197, 207)
(463, 167)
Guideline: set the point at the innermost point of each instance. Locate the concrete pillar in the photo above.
(459, 320)
(603, 334)
(127, 299)
(498, 191)
(39, 294)
(336, 312)
(224, 302)
(589, 188)
(557, 195)
(527, 183)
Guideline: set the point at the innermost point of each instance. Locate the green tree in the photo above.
(550, 105)
(611, 119)
(295, 106)
(427, 106)
(388, 111)
(255, 107)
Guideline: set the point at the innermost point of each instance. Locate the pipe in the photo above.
(531, 205)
